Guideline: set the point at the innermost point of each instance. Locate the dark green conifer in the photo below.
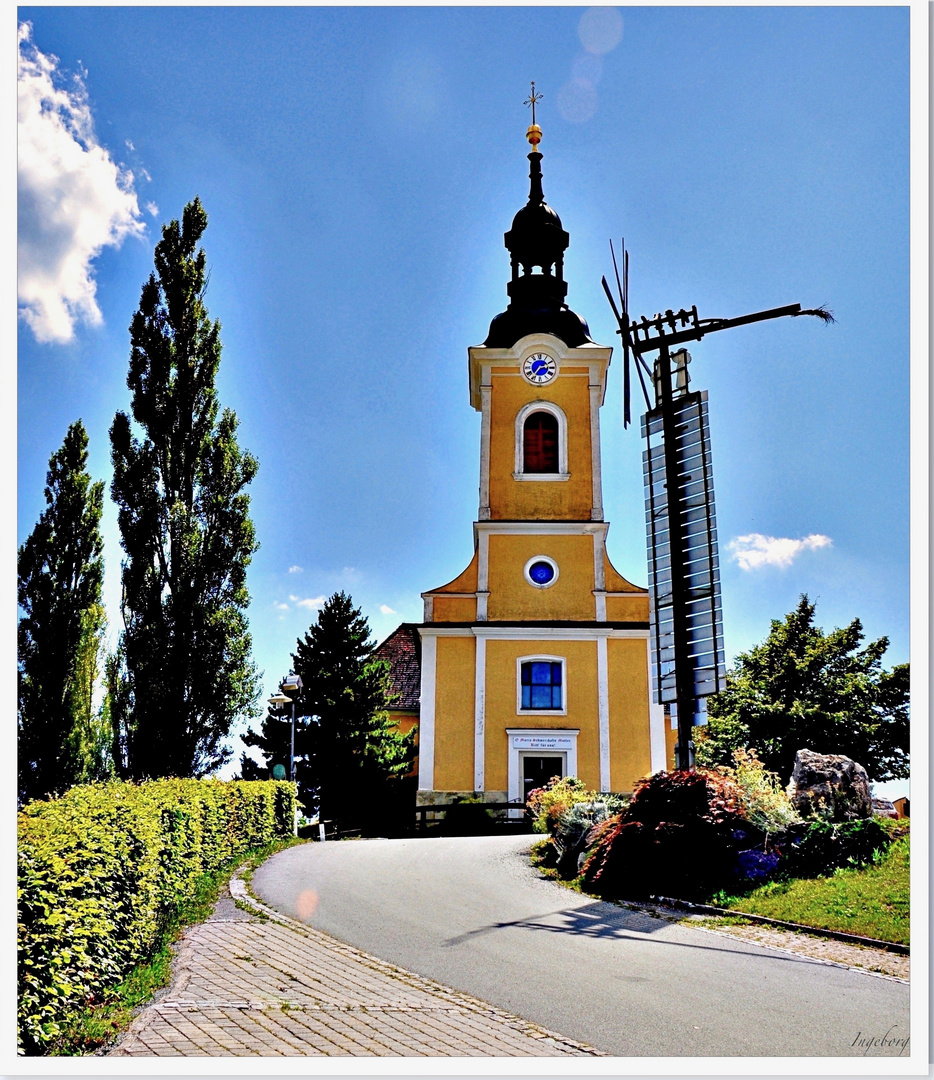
(350, 757)
(60, 570)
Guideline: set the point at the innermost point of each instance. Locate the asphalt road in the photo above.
(471, 913)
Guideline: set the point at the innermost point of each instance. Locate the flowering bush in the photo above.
(573, 832)
(767, 804)
(102, 868)
(547, 804)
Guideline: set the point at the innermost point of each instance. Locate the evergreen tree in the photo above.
(60, 570)
(185, 527)
(803, 689)
(350, 758)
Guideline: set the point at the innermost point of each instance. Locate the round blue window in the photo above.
(541, 572)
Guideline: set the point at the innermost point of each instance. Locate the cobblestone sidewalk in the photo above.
(260, 984)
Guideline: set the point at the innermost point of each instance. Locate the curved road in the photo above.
(473, 914)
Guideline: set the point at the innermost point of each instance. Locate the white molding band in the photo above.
(426, 714)
(483, 570)
(485, 392)
(599, 577)
(544, 528)
(596, 395)
(554, 478)
(658, 757)
(479, 753)
(531, 633)
(603, 712)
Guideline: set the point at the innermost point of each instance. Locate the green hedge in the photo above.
(102, 869)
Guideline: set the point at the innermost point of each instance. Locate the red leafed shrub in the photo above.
(678, 837)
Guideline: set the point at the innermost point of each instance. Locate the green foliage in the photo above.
(350, 758)
(185, 528)
(111, 1012)
(872, 901)
(766, 803)
(60, 570)
(803, 689)
(104, 869)
(821, 847)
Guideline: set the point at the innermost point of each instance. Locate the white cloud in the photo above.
(281, 607)
(387, 610)
(74, 199)
(152, 209)
(755, 550)
(313, 602)
(295, 569)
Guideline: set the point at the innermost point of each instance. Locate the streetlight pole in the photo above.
(284, 699)
(293, 684)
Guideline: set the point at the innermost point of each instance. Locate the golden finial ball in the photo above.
(534, 135)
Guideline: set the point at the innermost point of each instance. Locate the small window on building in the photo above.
(541, 685)
(540, 443)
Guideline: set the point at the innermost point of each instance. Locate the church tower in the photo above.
(535, 660)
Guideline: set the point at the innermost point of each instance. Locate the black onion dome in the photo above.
(537, 242)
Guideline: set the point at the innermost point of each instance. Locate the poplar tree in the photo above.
(60, 570)
(185, 527)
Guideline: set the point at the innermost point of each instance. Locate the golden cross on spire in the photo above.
(531, 100)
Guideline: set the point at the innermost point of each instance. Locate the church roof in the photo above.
(403, 652)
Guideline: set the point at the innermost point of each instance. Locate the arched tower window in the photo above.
(540, 443)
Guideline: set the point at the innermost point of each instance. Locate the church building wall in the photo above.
(454, 714)
(514, 499)
(511, 597)
(630, 735)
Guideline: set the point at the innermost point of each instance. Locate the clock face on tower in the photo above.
(539, 368)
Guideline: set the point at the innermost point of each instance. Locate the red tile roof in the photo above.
(402, 649)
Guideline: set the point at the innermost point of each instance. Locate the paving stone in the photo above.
(248, 986)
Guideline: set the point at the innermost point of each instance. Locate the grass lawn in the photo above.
(872, 902)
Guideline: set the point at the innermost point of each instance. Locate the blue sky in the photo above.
(359, 167)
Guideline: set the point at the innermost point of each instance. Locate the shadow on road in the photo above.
(601, 920)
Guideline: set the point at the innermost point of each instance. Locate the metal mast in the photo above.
(688, 637)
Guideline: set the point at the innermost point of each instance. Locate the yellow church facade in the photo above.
(534, 661)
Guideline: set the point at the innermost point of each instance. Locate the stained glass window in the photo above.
(541, 685)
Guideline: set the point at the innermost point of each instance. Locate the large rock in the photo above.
(830, 786)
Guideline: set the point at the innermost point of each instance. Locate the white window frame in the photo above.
(558, 413)
(537, 559)
(563, 711)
